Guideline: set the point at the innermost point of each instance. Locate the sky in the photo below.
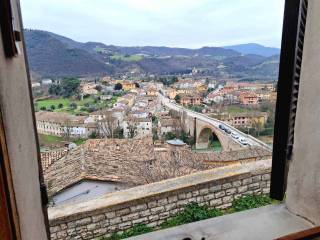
(172, 23)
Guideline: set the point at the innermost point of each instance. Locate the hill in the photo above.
(52, 55)
(253, 48)
(48, 56)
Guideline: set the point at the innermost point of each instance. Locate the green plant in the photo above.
(170, 136)
(193, 212)
(250, 201)
(134, 231)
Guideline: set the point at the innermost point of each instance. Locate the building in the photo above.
(187, 99)
(139, 114)
(168, 124)
(127, 85)
(185, 90)
(249, 119)
(137, 127)
(151, 91)
(46, 82)
(64, 124)
(89, 88)
(201, 88)
(248, 98)
(170, 93)
(215, 97)
(35, 85)
(97, 167)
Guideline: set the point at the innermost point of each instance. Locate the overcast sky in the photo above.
(176, 23)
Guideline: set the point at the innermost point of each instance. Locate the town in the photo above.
(129, 132)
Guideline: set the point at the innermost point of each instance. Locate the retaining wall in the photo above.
(153, 203)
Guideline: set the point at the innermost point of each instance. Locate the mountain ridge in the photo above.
(254, 48)
(53, 55)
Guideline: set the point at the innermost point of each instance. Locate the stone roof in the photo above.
(100, 159)
(258, 153)
(136, 119)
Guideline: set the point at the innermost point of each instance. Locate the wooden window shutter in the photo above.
(294, 25)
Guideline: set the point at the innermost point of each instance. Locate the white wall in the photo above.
(86, 190)
(303, 188)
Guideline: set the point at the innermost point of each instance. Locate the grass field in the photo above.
(47, 103)
(49, 140)
(130, 58)
(213, 147)
(238, 109)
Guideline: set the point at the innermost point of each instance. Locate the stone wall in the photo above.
(152, 204)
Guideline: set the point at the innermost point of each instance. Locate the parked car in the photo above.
(221, 127)
(243, 141)
(234, 135)
(227, 130)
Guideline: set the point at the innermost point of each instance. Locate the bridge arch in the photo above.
(208, 137)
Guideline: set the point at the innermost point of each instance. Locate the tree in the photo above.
(67, 130)
(118, 86)
(55, 89)
(70, 86)
(118, 133)
(257, 126)
(73, 106)
(137, 85)
(132, 129)
(93, 135)
(155, 134)
(170, 136)
(98, 88)
(177, 98)
(107, 124)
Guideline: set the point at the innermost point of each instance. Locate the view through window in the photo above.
(132, 92)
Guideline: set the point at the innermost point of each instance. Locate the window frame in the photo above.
(287, 94)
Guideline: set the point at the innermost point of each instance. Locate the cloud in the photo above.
(185, 23)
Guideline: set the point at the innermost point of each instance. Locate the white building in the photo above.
(63, 124)
(168, 124)
(137, 127)
(46, 81)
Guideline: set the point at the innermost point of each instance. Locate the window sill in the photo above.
(262, 223)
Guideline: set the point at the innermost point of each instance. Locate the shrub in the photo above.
(43, 108)
(52, 107)
(250, 201)
(73, 105)
(192, 213)
(60, 105)
(134, 231)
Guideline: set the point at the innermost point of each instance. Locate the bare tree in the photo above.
(107, 125)
(67, 130)
(132, 129)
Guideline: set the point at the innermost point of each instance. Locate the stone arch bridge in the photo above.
(202, 127)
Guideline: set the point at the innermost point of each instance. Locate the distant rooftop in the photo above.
(176, 142)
